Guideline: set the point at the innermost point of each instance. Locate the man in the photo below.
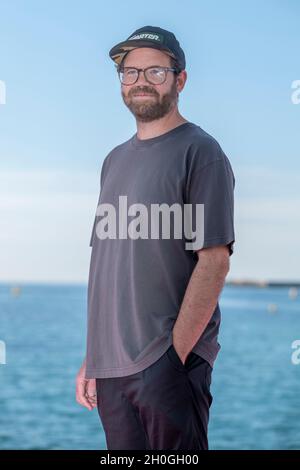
(153, 311)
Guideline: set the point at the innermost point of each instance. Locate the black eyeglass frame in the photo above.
(120, 68)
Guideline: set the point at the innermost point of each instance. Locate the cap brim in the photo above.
(117, 52)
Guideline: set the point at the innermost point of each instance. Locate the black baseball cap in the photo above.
(150, 36)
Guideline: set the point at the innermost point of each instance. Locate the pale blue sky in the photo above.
(64, 113)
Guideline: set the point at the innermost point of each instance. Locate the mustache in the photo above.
(142, 90)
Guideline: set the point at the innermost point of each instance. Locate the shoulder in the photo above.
(204, 149)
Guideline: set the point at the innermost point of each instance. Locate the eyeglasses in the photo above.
(155, 75)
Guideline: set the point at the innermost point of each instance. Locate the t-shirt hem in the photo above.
(128, 370)
(148, 361)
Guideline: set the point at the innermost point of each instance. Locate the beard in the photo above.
(152, 108)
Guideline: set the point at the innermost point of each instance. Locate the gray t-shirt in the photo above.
(136, 286)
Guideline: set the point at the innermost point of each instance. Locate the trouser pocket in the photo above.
(175, 359)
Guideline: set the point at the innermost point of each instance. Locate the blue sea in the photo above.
(255, 384)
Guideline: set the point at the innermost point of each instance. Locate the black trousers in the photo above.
(163, 407)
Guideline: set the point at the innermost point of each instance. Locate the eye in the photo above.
(155, 71)
(130, 72)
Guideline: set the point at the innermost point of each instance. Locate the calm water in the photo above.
(255, 386)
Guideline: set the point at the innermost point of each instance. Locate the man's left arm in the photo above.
(211, 182)
(200, 299)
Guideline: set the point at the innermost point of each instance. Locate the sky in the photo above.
(63, 113)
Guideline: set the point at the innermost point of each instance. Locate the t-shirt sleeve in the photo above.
(101, 185)
(93, 232)
(212, 185)
(94, 225)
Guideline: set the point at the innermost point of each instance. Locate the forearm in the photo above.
(198, 305)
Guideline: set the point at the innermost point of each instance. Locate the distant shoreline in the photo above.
(253, 283)
(231, 282)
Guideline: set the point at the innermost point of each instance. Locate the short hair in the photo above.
(175, 65)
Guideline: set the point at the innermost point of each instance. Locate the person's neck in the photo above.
(147, 130)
